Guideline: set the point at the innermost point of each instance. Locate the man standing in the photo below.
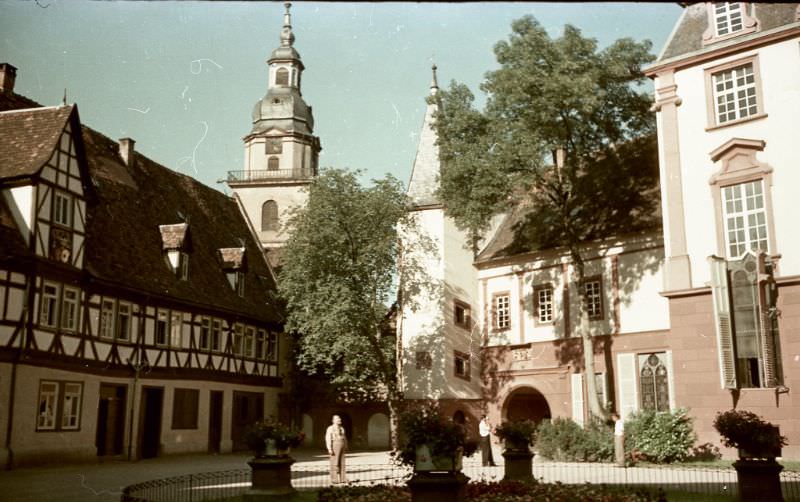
(485, 431)
(336, 442)
(619, 439)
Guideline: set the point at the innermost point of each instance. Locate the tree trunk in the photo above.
(595, 407)
(394, 439)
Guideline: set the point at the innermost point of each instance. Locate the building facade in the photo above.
(727, 105)
(138, 311)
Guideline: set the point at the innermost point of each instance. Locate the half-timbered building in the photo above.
(137, 309)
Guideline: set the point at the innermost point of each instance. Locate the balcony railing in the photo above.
(270, 175)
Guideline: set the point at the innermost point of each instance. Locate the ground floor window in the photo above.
(59, 406)
(654, 382)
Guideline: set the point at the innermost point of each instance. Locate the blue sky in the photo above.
(181, 78)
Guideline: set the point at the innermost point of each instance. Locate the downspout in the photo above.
(28, 322)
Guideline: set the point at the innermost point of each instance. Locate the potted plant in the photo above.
(754, 437)
(431, 442)
(270, 438)
(271, 441)
(758, 442)
(518, 437)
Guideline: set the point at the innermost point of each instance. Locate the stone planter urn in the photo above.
(519, 462)
(759, 479)
(272, 478)
(437, 478)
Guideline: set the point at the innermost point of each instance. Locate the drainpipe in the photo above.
(137, 366)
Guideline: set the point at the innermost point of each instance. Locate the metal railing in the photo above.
(231, 484)
(270, 175)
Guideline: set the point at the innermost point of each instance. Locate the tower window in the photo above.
(273, 163)
(282, 76)
(269, 216)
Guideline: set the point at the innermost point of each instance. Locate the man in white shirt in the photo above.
(485, 431)
(336, 442)
(619, 439)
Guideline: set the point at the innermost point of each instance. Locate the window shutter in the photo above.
(722, 315)
(767, 352)
(626, 373)
(577, 398)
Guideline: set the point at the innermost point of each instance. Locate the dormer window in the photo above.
(727, 18)
(176, 244)
(234, 264)
(179, 263)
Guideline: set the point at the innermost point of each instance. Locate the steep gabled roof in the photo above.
(29, 138)
(124, 246)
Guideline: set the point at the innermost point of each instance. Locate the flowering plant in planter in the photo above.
(426, 433)
(748, 432)
(268, 432)
(517, 435)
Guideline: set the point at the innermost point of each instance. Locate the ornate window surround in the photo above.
(738, 164)
(711, 96)
(749, 24)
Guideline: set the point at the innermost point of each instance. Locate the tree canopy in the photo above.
(554, 94)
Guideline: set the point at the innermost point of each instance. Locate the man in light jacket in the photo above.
(336, 442)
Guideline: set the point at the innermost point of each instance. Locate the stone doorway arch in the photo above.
(526, 403)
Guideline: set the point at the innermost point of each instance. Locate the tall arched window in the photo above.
(654, 382)
(282, 76)
(273, 163)
(269, 216)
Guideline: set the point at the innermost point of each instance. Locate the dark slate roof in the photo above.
(687, 37)
(29, 138)
(124, 243)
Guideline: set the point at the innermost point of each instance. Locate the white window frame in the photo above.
(237, 342)
(124, 319)
(62, 208)
(272, 347)
(71, 406)
(733, 86)
(204, 339)
(261, 345)
(501, 303)
(107, 318)
(726, 14)
(47, 408)
(176, 329)
(249, 339)
(741, 220)
(48, 310)
(593, 296)
(162, 319)
(545, 307)
(216, 335)
(70, 311)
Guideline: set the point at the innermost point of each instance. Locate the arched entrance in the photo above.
(526, 403)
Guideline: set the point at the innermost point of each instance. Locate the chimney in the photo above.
(126, 151)
(8, 74)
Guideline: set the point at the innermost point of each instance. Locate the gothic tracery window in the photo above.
(654, 382)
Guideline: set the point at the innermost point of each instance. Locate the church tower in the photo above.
(438, 328)
(281, 151)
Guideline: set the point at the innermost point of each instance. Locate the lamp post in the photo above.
(138, 365)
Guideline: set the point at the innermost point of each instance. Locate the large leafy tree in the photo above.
(551, 95)
(339, 274)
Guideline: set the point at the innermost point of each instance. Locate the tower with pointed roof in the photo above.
(441, 342)
(281, 151)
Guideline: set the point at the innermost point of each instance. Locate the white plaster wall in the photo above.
(641, 306)
(780, 73)
(20, 201)
(422, 329)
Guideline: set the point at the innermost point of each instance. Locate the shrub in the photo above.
(705, 452)
(377, 493)
(660, 436)
(563, 440)
(425, 426)
(516, 491)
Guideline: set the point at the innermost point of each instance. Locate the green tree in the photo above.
(339, 274)
(554, 95)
